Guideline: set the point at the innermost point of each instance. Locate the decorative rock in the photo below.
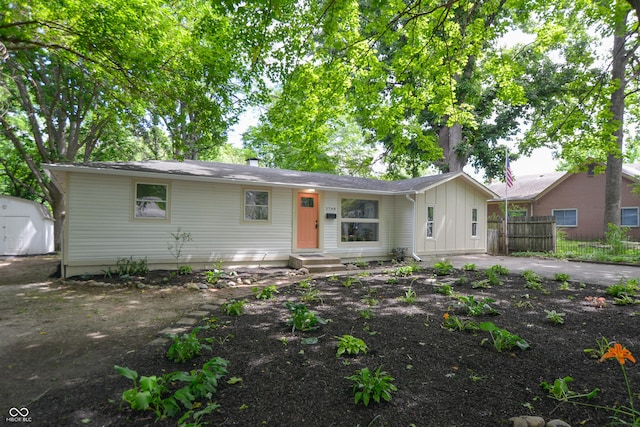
(518, 422)
(193, 286)
(303, 271)
(246, 281)
(534, 421)
(527, 421)
(557, 423)
(203, 286)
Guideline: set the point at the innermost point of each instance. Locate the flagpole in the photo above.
(506, 201)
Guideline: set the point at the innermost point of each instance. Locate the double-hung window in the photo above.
(474, 222)
(565, 217)
(151, 200)
(629, 217)
(256, 205)
(359, 220)
(430, 221)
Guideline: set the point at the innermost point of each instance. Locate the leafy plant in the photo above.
(351, 345)
(469, 267)
(443, 268)
(562, 277)
(498, 269)
(602, 345)
(443, 289)
(185, 269)
(555, 317)
(615, 237)
(403, 271)
(175, 247)
(366, 313)
(369, 385)
(310, 295)
(131, 267)
(266, 292)
(234, 307)
(302, 319)
(477, 307)
(361, 263)
(502, 339)
(629, 287)
(349, 281)
(559, 390)
(188, 346)
(454, 323)
(409, 296)
(147, 394)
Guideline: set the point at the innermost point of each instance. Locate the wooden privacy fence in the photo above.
(533, 234)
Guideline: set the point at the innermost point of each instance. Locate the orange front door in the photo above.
(307, 220)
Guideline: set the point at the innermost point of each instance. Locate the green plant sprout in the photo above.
(469, 267)
(443, 268)
(265, 293)
(454, 323)
(555, 317)
(477, 307)
(302, 319)
(351, 345)
(498, 269)
(234, 307)
(602, 345)
(349, 281)
(176, 246)
(369, 385)
(409, 296)
(188, 346)
(502, 339)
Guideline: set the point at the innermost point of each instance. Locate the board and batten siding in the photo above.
(453, 202)
(100, 228)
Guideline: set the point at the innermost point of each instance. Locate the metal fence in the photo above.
(597, 248)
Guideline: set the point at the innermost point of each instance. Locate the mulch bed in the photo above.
(443, 377)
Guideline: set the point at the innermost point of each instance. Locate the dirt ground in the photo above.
(56, 333)
(60, 340)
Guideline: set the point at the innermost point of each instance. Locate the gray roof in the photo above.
(192, 169)
(527, 186)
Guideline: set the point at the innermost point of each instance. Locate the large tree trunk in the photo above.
(614, 160)
(449, 139)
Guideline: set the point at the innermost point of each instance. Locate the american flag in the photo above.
(507, 174)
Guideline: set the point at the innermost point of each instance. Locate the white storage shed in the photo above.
(26, 227)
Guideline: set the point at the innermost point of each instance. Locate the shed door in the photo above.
(307, 220)
(12, 235)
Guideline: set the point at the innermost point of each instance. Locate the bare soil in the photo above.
(279, 377)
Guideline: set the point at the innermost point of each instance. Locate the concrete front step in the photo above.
(316, 263)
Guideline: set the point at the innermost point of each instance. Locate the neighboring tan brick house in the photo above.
(575, 199)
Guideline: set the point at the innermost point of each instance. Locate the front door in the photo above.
(307, 220)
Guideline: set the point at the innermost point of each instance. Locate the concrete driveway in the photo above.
(606, 274)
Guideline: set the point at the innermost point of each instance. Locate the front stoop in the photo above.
(316, 263)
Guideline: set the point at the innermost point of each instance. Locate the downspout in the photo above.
(413, 230)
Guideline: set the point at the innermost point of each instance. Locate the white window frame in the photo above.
(247, 218)
(430, 222)
(359, 220)
(136, 200)
(474, 223)
(637, 224)
(553, 213)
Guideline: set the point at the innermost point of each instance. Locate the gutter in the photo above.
(413, 229)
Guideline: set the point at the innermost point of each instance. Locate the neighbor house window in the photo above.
(359, 220)
(629, 217)
(474, 222)
(566, 217)
(430, 216)
(151, 200)
(256, 205)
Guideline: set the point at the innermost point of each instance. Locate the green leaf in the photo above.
(126, 372)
